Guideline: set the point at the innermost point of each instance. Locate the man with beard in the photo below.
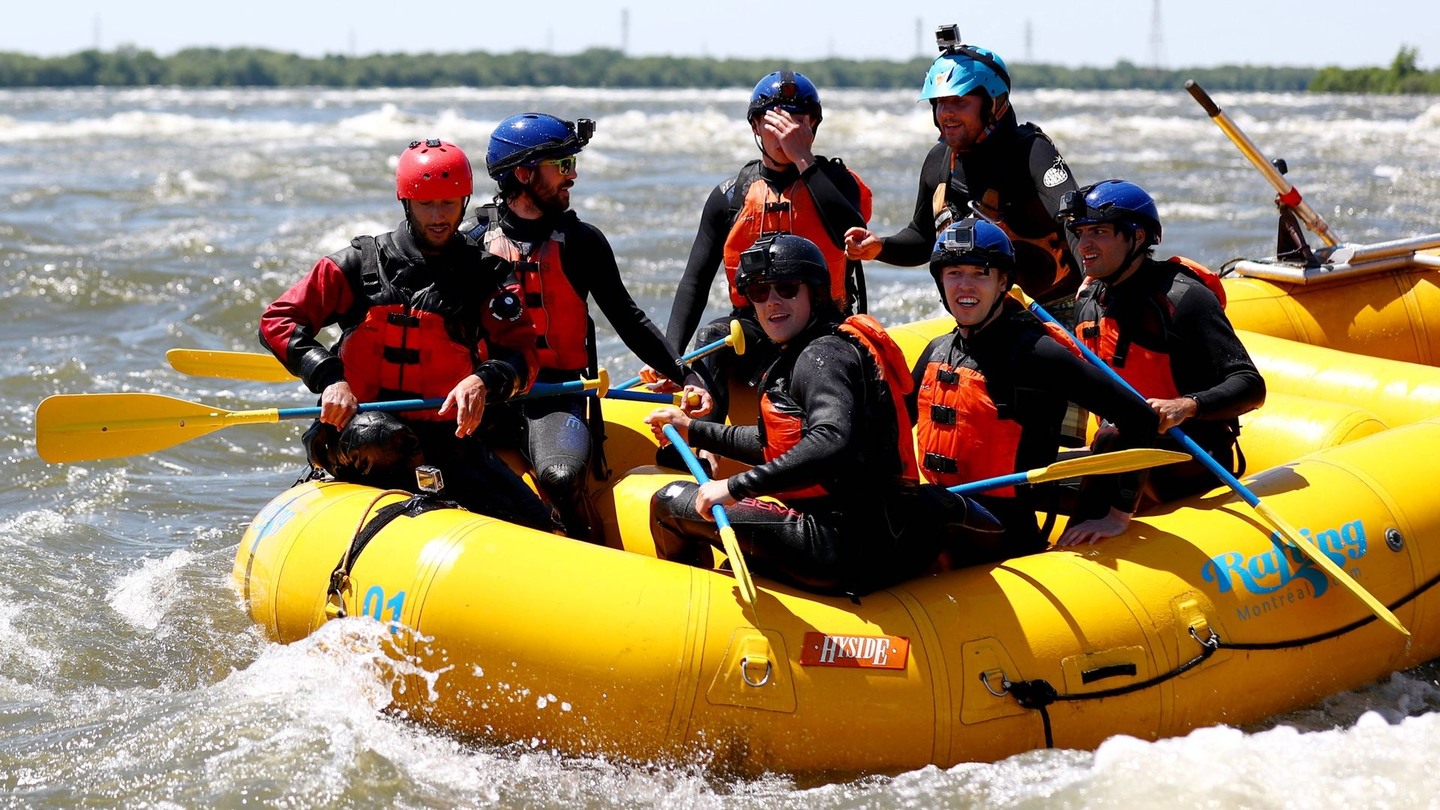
(987, 164)
(560, 263)
(423, 314)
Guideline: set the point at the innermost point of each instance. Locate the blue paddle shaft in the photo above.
(1196, 451)
(400, 405)
(685, 358)
(721, 519)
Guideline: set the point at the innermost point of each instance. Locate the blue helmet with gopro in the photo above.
(527, 139)
(1117, 202)
(962, 69)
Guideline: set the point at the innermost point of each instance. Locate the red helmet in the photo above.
(433, 170)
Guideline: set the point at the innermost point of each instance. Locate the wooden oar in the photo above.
(722, 521)
(736, 338)
(1139, 458)
(85, 427)
(1283, 529)
(1289, 196)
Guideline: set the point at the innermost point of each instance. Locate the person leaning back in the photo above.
(833, 443)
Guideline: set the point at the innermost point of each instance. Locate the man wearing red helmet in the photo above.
(788, 189)
(423, 314)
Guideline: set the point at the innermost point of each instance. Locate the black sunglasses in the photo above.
(760, 293)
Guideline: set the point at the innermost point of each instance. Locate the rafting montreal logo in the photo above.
(1278, 568)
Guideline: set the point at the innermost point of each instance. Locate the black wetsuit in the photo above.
(1017, 173)
(556, 437)
(1163, 309)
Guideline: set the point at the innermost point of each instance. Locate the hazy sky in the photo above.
(1193, 33)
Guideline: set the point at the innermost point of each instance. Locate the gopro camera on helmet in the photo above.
(584, 129)
(960, 238)
(947, 38)
(756, 258)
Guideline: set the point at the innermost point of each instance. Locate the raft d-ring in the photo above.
(1004, 682)
(745, 672)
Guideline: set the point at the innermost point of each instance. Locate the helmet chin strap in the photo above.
(769, 157)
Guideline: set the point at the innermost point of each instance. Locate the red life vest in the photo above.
(1147, 370)
(401, 352)
(1202, 274)
(959, 429)
(792, 210)
(781, 425)
(559, 313)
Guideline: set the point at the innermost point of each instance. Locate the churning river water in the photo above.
(135, 221)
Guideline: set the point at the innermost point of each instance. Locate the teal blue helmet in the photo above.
(964, 69)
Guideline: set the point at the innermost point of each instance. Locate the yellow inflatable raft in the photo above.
(1197, 615)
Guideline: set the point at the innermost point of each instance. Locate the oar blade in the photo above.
(86, 427)
(1107, 463)
(228, 365)
(748, 594)
(1336, 573)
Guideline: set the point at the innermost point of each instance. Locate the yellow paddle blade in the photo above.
(228, 365)
(84, 427)
(1119, 461)
(1336, 573)
(738, 567)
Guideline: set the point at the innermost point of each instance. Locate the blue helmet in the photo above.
(787, 90)
(972, 241)
(1117, 202)
(963, 69)
(527, 139)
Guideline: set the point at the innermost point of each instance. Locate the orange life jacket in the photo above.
(781, 427)
(559, 313)
(793, 210)
(1147, 370)
(400, 351)
(961, 433)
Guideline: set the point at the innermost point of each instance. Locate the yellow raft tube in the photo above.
(1195, 616)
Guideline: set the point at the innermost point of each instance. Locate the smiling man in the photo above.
(990, 397)
(423, 314)
(1161, 325)
(833, 444)
(985, 163)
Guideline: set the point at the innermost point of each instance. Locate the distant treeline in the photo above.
(599, 67)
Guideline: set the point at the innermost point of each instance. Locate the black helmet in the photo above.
(783, 257)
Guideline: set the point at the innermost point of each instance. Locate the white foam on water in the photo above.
(144, 597)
